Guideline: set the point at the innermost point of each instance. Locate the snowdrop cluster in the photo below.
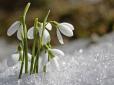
(42, 51)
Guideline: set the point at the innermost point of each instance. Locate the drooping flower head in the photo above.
(46, 36)
(56, 53)
(66, 29)
(16, 27)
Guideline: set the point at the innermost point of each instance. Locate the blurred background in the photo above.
(89, 17)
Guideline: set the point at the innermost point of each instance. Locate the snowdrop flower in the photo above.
(14, 58)
(56, 53)
(66, 29)
(16, 26)
(43, 60)
(46, 36)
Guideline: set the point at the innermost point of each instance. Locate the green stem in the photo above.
(21, 70)
(40, 44)
(44, 23)
(35, 70)
(22, 61)
(26, 9)
(25, 37)
(54, 22)
(34, 44)
(20, 55)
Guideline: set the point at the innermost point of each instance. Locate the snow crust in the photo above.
(84, 63)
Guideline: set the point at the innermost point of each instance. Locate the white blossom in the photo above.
(16, 26)
(46, 36)
(57, 53)
(59, 36)
(30, 33)
(68, 24)
(66, 29)
(14, 58)
(43, 60)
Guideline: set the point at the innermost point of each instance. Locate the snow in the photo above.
(83, 64)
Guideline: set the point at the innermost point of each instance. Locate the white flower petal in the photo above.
(68, 24)
(59, 36)
(57, 52)
(30, 33)
(65, 30)
(13, 28)
(56, 62)
(43, 60)
(46, 37)
(15, 58)
(49, 26)
(19, 33)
